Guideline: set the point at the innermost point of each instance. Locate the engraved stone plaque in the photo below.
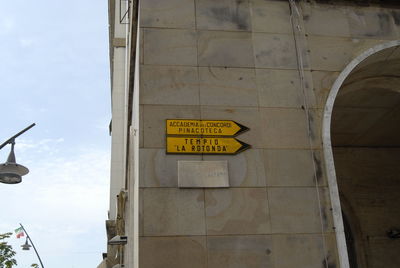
(203, 174)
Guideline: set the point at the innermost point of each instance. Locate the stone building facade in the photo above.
(316, 83)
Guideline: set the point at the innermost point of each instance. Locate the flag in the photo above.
(19, 232)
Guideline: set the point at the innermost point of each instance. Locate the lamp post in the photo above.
(26, 246)
(10, 171)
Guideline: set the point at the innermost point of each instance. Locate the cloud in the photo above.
(62, 202)
(7, 25)
(79, 184)
(24, 42)
(103, 124)
(28, 146)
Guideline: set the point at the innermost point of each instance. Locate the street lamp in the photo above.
(10, 171)
(27, 246)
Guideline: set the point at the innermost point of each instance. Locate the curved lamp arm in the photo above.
(11, 140)
(28, 237)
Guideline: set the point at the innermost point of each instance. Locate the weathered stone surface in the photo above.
(141, 222)
(326, 210)
(315, 117)
(329, 53)
(274, 51)
(285, 128)
(322, 83)
(154, 117)
(395, 13)
(311, 96)
(160, 170)
(279, 88)
(311, 250)
(223, 15)
(141, 44)
(273, 184)
(157, 169)
(171, 211)
(141, 128)
(173, 252)
(170, 47)
(294, 210)
(371, 22)
(167, 13)
(334, 53)
(228, 86)
(231, 49)
(240, 251)
(247, 116)
(236, 211)
(203, 174)
(293, 168)
(246, 169)
(173, 85)
(328, 20)
(271, 16)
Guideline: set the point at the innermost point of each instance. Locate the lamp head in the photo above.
(10, 178)
(26, 246)
(10, 171)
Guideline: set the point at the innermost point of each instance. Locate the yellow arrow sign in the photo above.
(200, 145)
(204, 127)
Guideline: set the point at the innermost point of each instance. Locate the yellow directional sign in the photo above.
(204, 127)
(201, 145)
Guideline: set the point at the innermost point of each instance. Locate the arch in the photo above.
(353, 228)
(327, 147)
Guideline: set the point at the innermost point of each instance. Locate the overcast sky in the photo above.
(54, 71)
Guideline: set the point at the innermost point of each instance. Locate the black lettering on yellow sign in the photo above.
(200, 145)
(204, 127)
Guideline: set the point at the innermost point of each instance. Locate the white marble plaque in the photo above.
(203, 174)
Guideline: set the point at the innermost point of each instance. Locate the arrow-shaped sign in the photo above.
(204, 127)
(201, 145)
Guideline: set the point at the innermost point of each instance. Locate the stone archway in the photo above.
(359, 138)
